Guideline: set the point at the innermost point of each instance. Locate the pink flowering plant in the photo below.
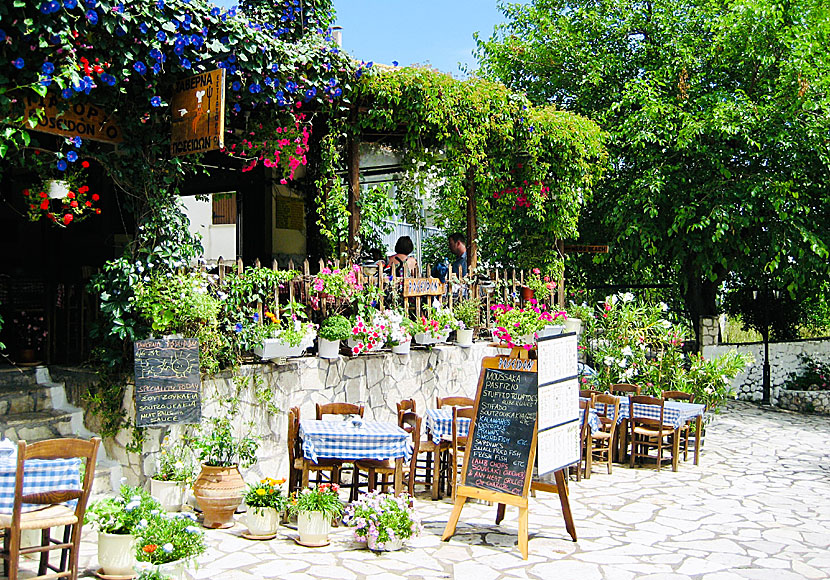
(337, 286)
(520, 326)
(368, 335)
(398, 327)
(378, 518)
(436, 322)
(542, 285)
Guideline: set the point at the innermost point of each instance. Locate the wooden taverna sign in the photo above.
(167, 382)
(503, 444)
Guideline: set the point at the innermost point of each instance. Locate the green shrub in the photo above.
(335, 328)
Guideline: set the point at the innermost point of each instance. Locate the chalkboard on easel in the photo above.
(167, 382)
(502, 435)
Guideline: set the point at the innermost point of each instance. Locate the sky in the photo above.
(434, 32)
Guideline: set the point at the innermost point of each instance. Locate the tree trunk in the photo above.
(472, 225)
(700, 294)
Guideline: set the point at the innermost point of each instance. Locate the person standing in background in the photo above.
(458, 247)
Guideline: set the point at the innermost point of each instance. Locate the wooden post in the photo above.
(353, 162)
(472, 245)
(560, 244)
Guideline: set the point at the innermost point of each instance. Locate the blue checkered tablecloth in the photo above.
(675, 413)
(439, 424)
(342, 440)
(38, 475)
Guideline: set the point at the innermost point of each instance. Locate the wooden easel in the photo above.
(504, 499)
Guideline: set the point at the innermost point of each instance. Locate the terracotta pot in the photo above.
(527, 293)
(219, 491)
(27, 355)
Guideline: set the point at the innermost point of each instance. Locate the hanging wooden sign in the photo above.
(198, 112)
(81, 119)
(413, 287)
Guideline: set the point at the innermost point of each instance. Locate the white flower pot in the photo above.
(551, 330)
(402, 348)
(262, 521)
(57, 189)
(116, 553)
(175, 570)
(169, 493)
(425, 338)
(314, 528)
(523, 340)
(274, 348)
(353, 343)
(328, 348)
(573, 325)
(390, 546)
(464, 337)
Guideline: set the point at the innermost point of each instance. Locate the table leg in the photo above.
(399, 476)
(698, 433)
(305, 473)
(436, 475)
(675, 451)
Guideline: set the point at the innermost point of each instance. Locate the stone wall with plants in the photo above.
(786, 359)
(259, 397)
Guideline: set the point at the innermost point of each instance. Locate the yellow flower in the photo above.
(260, 491)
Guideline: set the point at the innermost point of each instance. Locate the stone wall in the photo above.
(784, 358)
(805, 401)
(378, 381)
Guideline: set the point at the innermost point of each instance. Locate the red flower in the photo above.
(95, 197)
(71, 195)
(88, 204)
(97, 210)
(73, 203)
(83, 189)
(26, 192)
(42, 194)
(67, 218)
(84, 164)
(149, 548)
(44, 204)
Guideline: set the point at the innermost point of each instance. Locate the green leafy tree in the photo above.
(717, 114)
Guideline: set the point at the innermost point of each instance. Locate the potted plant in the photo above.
(436, 325)
(368, 336)
(398, 335)
(168, 543)
(219, 488)
(467, 314)
(174, 471)
(117, 519)
(382, 520)
(332, 330)
(30, 331)
(575, 315)
(335, 288)
(266, 503)
(289, 336)
(518, 327)
(315, 507)
(540, 287)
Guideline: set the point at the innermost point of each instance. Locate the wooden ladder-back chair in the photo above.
(601, 443)
(649, 431)
(300, 468)
(407, 405)
(410, 422)
(454, 401)
(54, 514)
(686, 429)
(588, 394)
(459, 445)
(623, 390)
(584, 430)
(338, 409)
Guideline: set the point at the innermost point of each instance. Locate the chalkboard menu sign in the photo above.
(167, 382)
(502, 436)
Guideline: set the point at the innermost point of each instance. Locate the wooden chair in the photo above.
(453, 402)
(411, 423)
(459, 445)
(648, 432)
(338, 409)
(299, 467)
(588, 393)
(406, 405)
(584, 410)
(623, 390)
(601, 443)
(686, 429)
(54, 515)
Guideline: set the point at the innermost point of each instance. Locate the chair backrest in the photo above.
(636, 415)
(460, 413)
(624, 388)
(65, 448)
(678, 396)
(338, 409)
(584, 410)
(608, 409)
(410, 422)
(453, 402)
(407, 405)
(588, 393)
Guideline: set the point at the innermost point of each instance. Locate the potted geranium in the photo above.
(382, 520)
(332, 330)
(518, 327)
(540, 286)
(219, 488)
(335, 288)
(168, 543)
(398, 335)
(265, 503)
(287, 337)
(467, 312)
(174, 471)
(435, 325)
(368, 336)
(117, 519)
(315, 507)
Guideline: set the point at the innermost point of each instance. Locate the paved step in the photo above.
(39, 425)
(15, 399)
(20, 377)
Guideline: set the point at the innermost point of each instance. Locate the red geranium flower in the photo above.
(67, 218)
(84, 164)
(95, 197)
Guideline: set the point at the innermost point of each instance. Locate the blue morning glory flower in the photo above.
(46, 81)
(119, 31)
(70, 4)
(394, 63)
(332, 82)
(161, 35)
(337, 92)
(256, 317)
(370, 64)
(140, 67)
(185, 63)
(255, 88)
(236, 86)
(178, 47)
(44, 8)
(197, 41)
(72, 156)
(108, 78)
(310, 94)
(237, 108)
(155, 54)
(66, 93)
(48, 68)
(238, 327)
(92, 16)
(18, 63)
(143, 28)
(160, 4)
(290, 86)
(214, 11)
(119, 8)
(225, 40)
(54, 39)
(156, 68)
(275, 68)
(76, 141)
(232, 58)
(358, 73)
(2, 35)
(62, 165)
(156, 101)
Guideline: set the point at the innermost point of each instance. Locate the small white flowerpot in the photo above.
(175, 570)
(57, 189)
(402, 348)
(573, 325)
(328, 348)
(390, 546)
(169, 493)
(425, 338)
(116, 553)
(273, 348)
(314, 528)
(262, 521)
(464, 337)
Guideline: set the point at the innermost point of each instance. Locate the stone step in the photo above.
(39, 425)
(20, 377)
(15, 399)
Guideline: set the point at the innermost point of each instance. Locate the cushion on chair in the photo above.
(48, 517)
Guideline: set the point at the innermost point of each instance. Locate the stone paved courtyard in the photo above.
(757, 507)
